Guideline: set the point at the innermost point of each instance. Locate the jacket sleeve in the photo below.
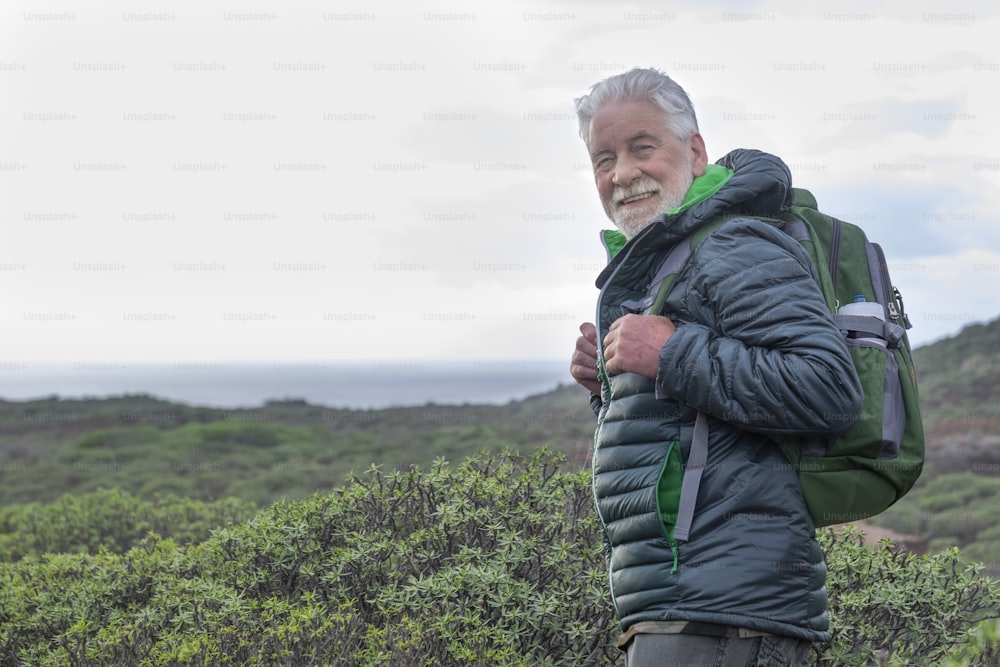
(760, 350)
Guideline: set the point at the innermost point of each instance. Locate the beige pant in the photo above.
(689, 650)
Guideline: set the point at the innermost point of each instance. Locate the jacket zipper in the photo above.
(620, 259)
(602, 376)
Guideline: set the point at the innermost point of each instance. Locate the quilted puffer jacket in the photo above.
(757, 352)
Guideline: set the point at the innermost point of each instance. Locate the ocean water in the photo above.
(356, 385)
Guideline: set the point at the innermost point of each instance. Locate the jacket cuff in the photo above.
(595, 404)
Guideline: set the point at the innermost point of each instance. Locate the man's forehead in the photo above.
(627, 122)
(604, 142)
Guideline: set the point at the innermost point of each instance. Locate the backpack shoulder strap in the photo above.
(656, 294)
(673, 264)
(652, 303)
(695, 466)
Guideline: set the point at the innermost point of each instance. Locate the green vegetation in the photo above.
(960, 379)
(290, 449)
(953, 510)
(111, 520)
(497, 561)
(955, 502)
(285, 449)
(137, 531)
(892, 607)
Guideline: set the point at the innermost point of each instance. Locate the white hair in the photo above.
(639, 84)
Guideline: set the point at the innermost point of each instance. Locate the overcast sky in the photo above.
(205, 181)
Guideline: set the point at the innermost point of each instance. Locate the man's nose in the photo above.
(626, 172)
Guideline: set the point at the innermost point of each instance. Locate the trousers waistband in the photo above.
(687, 628)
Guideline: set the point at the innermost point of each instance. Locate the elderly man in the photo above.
(744, 347)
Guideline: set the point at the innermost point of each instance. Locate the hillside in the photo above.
(290, 449)
(955, 502)
(959, 380)
(283, 449)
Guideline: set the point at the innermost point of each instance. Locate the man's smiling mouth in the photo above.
(635, 198)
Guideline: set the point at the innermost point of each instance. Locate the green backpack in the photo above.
(865, 470)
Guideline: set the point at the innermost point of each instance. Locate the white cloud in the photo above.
(389, 180)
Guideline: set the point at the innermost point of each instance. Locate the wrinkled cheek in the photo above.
(604, 190)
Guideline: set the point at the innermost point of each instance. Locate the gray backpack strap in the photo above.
(797, 230)
(672, 265)
(697, 459)
(698, 453)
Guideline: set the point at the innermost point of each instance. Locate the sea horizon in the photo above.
(336, 384)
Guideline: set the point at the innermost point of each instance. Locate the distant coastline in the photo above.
(339, 384)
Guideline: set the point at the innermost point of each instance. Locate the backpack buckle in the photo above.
(636, 306)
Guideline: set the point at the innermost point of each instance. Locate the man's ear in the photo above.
(699, 154)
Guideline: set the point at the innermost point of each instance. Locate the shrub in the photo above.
(115, 438)
(894, 607)
(497, 561)
(111, 519)
(953, 510)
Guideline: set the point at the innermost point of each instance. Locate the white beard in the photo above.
(632, 221)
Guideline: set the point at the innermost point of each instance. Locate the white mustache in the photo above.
(644, 186)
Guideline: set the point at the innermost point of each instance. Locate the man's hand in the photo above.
(583, 366)
(633, 344)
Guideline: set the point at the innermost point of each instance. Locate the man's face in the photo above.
(641, 169)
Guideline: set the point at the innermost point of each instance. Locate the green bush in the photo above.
(497, 561)
(952, 510)
(109, 519)
(114, 438)
(981, 649)
(892, 607)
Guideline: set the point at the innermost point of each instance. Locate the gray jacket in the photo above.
(756, 350)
